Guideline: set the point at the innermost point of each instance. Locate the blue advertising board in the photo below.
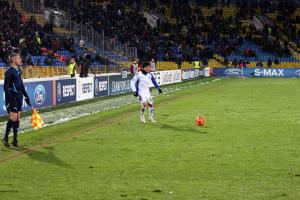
(271, 72)
(2, 102)
(65, 91)
(257, 72)
(2, 99)
(100, 86)
(119, 84)
(232, 72)
(40, 93)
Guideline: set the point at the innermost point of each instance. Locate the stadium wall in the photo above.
(46, 92)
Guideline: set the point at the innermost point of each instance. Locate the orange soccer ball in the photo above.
(200, 121)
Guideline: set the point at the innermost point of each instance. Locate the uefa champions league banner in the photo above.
(65, 91)
(119, 83)
(167, 77)
(170, 76)
(84, 88)
(188, 74)
(197, 73)
(100, 86)
(257, 72)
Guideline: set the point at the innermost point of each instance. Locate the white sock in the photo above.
(151, 112)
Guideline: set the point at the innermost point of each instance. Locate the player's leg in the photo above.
(16, 123)
(151, 109)
(144, 105)
(13, 116)
(12, 109)
(16, 129)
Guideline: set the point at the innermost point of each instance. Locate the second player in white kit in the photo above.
(140, 85)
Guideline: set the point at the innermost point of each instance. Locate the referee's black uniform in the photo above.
(14, 91)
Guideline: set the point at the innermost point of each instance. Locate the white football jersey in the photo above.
(142, 82)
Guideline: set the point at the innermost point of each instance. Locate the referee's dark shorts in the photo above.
(15, 103)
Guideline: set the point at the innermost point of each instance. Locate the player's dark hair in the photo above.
(145, 64)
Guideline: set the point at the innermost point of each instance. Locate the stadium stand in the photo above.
(217, 32)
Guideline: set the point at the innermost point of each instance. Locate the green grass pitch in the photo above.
(249, 148)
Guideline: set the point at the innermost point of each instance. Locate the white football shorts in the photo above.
(146, 97)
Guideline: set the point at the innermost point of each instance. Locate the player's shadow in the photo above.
(181, 128)
(47, 157)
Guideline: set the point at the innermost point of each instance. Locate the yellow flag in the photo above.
(36, 120)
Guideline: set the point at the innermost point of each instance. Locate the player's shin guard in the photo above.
(9, 125)
(16, 129)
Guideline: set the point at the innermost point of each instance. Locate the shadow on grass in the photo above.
(47, 157)
(181, 128)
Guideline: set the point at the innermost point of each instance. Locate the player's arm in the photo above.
(7, 80)
(27, 100)
(134, 84)
(155, 84)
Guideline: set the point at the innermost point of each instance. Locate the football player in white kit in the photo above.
(140, 85)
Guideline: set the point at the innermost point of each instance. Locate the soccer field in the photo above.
(248, 149)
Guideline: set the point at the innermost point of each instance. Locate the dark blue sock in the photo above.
(16, 129)
(9, 125)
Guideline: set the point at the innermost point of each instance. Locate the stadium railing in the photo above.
(91, 37)
(51, 71)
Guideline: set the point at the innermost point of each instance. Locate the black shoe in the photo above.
(5, 142)
(14, 143)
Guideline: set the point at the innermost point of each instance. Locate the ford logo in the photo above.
(233, 72)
